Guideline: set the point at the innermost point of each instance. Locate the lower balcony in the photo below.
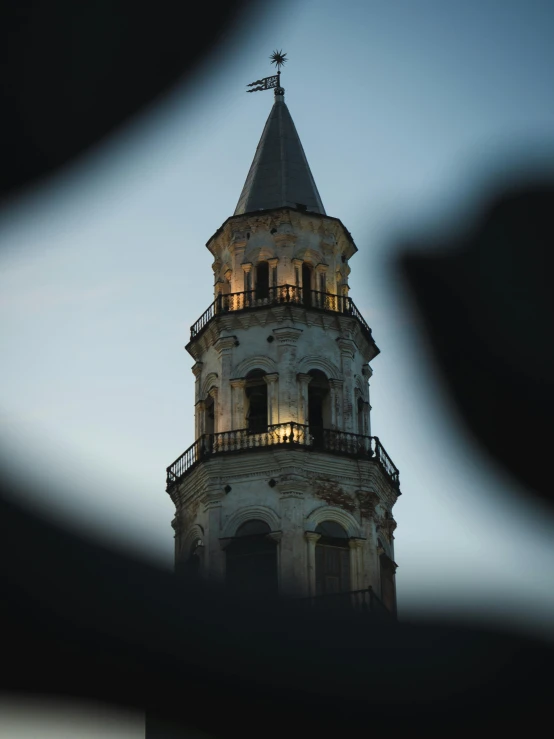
(286, 435)
(359, 601)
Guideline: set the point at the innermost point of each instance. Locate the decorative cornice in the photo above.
(247, 266)
(271, 378)
(304, 378)
(368, 501)
(197, 368)
(347, 346)
(237, 382)
(287, 334)
(387, 525)
(225, 343)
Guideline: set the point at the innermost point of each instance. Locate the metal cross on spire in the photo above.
(267, 83)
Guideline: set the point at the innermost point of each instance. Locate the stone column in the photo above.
(224, 347)
(347, 350)
(213, 394)
(273, 281)
(177, 527)
(287, 338)
(336, 404)
(303, 382)
(293, 550)
(311, 538)
(197, 372)
(238, 420)
(297, 274)
(199, 418)
(236, 250)
(213, 552)
(321, 271)
(247, 268)
(272, 397)
(276, 536)
(356, 564)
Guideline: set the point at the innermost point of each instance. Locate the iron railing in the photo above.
(279, 295)
(284, 434)
(361, 601)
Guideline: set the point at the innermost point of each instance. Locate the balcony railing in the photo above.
(360, 601)
(280, 295)
(284, 435)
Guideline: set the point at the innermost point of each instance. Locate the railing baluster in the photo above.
(330, 440)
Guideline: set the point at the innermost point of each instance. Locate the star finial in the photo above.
(279, 59)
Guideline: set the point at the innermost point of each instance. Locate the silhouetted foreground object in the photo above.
(72, 72)
(78, 620)
(81, 621)
(488, 307)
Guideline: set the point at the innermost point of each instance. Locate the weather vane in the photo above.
(267, 83)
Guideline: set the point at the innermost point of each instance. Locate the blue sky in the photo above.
(401, 108)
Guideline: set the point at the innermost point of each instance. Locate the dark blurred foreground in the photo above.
(81, 621)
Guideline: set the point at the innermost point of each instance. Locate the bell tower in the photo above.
(285, 491)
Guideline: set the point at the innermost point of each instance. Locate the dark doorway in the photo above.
(252, 561)
(262, 281)
(306, 284)
(318, 406)
(256, 394)
(332, 562)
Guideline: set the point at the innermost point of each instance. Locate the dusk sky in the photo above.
(402, 109)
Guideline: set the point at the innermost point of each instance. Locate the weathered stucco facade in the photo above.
(282, 408)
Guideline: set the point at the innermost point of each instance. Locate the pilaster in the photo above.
(287, 338)
(224, 346)
(293, 550)
(303, 381)
(311, 539)
(272, 397)
(347, 351)
(238, 420)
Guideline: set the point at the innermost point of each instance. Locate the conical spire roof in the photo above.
(280, 175)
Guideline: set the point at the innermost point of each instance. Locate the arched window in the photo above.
(252, 560)
(360, 416)
(388, 585)
(192, 564)
(262, 281)
(332, 560)
(306, 284)
(319, 405)
(256, 396)
(209, 415)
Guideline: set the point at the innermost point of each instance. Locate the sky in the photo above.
(405, 111)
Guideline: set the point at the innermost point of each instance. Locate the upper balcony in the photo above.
(285, 435)
(281, 295)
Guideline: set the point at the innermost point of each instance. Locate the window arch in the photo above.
(251, 560)
(262, 281)
(319, 405)
(332, 562)
(256, 399)
(192, 565)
